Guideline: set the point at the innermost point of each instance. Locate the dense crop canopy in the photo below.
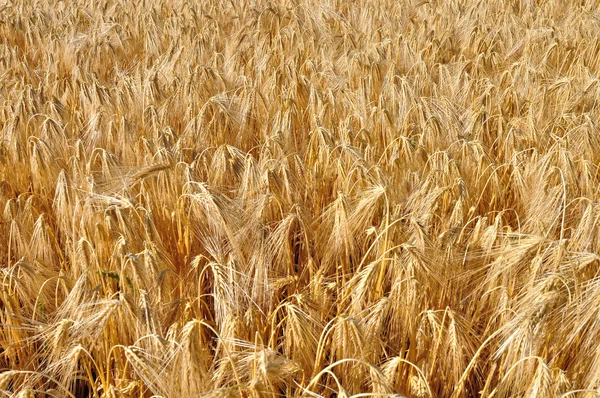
(302, 198)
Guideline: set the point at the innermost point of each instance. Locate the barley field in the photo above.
(299, 198)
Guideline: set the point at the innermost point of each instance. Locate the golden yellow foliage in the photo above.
(301, 198)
